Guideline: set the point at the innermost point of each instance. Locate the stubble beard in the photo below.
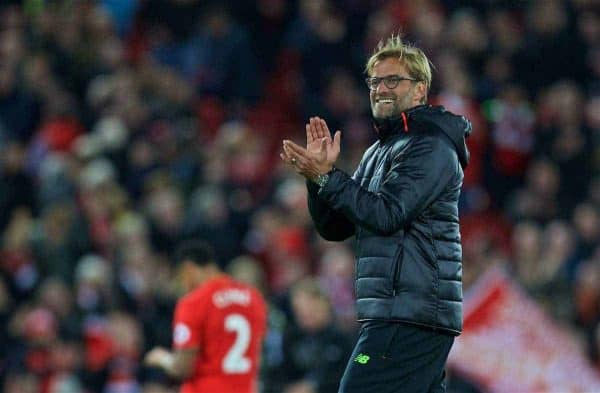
(395, 109)
(386, 113)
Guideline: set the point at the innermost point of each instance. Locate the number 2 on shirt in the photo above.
(235, 362)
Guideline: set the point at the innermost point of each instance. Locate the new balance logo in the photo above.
(362, 358)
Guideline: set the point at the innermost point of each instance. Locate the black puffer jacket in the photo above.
(402, 206)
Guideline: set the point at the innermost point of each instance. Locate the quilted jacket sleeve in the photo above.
(330, 224)
(417, 177)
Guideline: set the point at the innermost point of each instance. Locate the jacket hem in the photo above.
(441, 329)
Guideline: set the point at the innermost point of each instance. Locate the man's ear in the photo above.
(422, 91)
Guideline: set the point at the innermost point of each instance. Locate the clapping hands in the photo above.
(321, 150)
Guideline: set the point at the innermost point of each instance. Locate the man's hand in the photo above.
(320, 154)
(159, 357)
(178, 364)
(316, 130)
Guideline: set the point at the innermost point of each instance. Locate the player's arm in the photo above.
(178, 364)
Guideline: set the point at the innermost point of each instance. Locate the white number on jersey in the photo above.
(235, 362)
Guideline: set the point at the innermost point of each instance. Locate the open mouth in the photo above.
(385, 100)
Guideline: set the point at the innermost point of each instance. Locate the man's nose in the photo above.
(381, 87)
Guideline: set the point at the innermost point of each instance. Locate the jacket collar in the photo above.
(395, 125)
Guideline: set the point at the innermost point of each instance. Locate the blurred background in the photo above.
(129, 125)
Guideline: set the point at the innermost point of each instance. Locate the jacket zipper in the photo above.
(398, 260)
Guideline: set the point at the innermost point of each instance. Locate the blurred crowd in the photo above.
(129, 125)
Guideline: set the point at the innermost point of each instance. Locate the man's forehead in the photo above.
(388, 66)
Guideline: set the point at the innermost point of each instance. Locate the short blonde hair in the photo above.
(414, 59)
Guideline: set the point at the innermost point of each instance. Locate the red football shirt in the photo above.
(226, 321)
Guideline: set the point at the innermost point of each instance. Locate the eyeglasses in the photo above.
(390, 81)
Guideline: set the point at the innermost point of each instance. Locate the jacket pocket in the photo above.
(433, 246)
(397, 271)
(393, 329)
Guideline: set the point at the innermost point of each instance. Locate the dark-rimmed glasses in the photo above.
(390, 81)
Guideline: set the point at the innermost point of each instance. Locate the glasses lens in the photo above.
(391, 82)
(372, 83)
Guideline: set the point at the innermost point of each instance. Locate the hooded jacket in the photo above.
(402, 206)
